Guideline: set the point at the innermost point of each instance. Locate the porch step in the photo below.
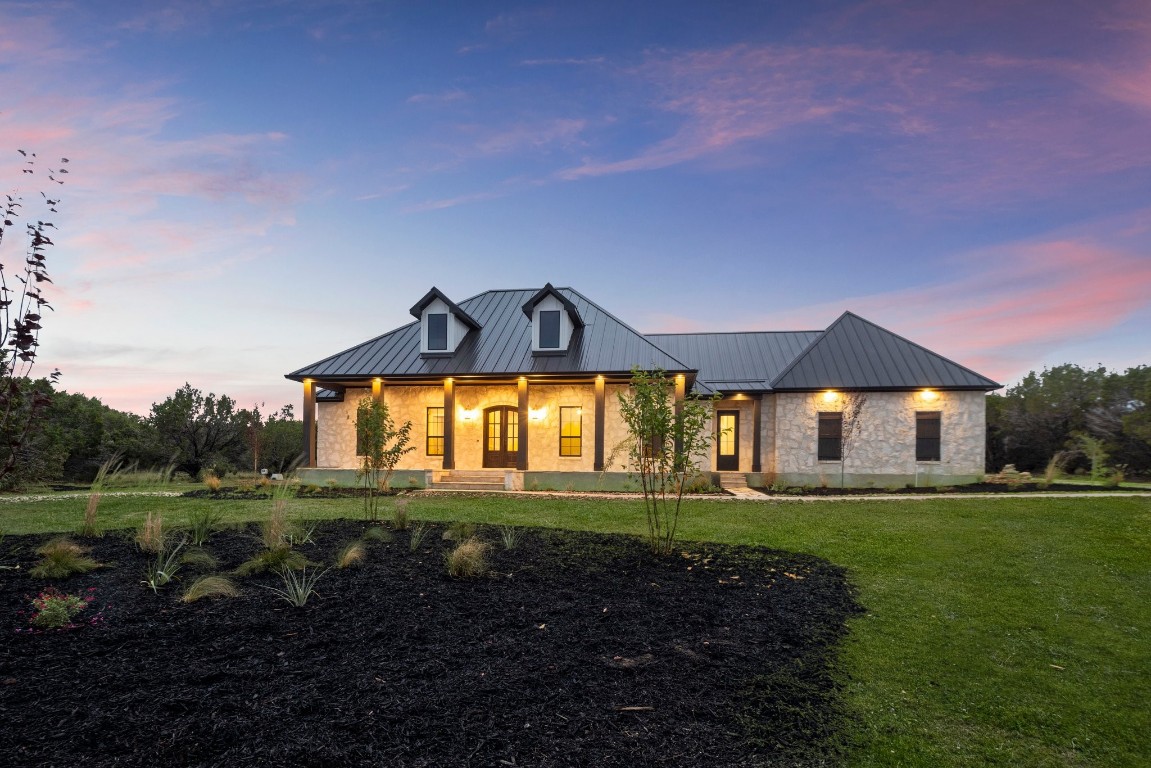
(469, 480)
(729, 480)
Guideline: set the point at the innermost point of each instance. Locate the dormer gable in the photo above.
(443, 325)
(554, 318)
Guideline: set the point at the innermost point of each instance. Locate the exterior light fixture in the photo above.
(469, 415)
(537, 414)
(929, 395)
(830, 396)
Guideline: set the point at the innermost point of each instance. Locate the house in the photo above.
(520, 389)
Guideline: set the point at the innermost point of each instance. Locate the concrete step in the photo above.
(470, 480)
(732, 480)
(464, 486)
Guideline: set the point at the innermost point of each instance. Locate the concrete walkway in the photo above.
(747, 494)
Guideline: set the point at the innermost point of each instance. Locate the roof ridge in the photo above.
(727, 333)
(633, 330)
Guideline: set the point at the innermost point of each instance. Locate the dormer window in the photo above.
(443, 324)
(554, 321)
(437, 332)
(549, 329)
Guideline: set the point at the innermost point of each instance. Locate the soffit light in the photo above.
(830, 396)
(929, 395)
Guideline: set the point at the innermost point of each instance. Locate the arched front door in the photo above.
(501, 436)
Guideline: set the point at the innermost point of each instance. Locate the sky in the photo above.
(255, 185)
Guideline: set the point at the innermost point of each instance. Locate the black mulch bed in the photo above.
(579, 650)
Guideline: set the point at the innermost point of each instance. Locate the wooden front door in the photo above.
(501, 437)
(727, 441)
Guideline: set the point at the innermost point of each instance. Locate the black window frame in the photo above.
(929, 436)
(428, 451)
(437, 332)
(570, 440)
(829, 436)
(550, 325)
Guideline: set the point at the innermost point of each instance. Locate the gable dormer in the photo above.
(443, 325)
(554, 318)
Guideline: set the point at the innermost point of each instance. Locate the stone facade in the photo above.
(882, 454)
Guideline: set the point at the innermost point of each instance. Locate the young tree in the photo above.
(21, 314)
(853, 404)
(381, 446)
(665, 443)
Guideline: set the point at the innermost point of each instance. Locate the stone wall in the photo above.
(883, 452)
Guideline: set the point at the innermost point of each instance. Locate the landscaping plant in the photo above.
(468, 559)
(60, 558)
(53, 609)
(209, 586)
(298, 587)
(164, 568)
(381, 445)
(150, 537)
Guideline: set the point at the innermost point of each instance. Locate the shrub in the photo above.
(60, 558)
(468, 560)
(150, 537)
(53, 609)
(297, 587)
(209, 586)
(352, 554)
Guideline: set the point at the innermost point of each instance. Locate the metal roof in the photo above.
(736, 362)
(856, 354)
(501, 346)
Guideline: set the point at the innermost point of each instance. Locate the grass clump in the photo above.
(199, 559)
(298, 587)
(202, 523)
(468, 560)
(509, 536)
(378, 534)
(351, 555)
(281, 558)
(164, 568)
(400, 515)
(210, 586)
(416, 536)
(150, 536)
(60, 558)
(459, 532)
(212, 482)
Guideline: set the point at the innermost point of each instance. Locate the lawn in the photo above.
(1006, 631)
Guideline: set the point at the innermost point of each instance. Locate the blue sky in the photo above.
(256, 185)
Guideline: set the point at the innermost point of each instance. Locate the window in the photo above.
(928, 429)
(571, 430)
(830, 436)
(435, 432)
(437, 331)
(549, 329)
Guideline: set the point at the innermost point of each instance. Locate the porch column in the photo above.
(680, 395)
(522, 454)
(600, 400)
(378, 390)
(449, 424)
(309, 423)
(757, 427)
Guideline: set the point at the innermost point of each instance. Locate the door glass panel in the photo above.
(494, 433)
(727, 434)
(513, 431)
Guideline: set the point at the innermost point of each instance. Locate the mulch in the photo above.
(576, 650)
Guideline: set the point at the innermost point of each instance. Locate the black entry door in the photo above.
(501, 437)
(727, 441)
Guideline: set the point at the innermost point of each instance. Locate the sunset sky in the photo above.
(256, 185)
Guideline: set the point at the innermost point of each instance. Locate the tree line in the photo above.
(1084, 419)
(196, 432)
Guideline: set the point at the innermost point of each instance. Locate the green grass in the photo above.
(1012, 631)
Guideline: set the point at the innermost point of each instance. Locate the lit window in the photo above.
(549, 329)
(571, 430)
(830, 436)
(928, 430)
(437, 332)
(435, 432)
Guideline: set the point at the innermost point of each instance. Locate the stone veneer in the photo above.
(883, 454)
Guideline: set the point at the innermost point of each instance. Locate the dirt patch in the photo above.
(577, 650)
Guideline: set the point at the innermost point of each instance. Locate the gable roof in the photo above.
(856, 354)
(736, 362)
(418, 308)
(502, 345)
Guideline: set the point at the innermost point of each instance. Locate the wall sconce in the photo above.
(830, 396)
(929, 395)
(537, 414)
(469, 415)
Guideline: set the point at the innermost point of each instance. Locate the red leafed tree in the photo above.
(22, 306)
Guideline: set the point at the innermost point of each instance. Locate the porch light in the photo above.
(929, 395)
(469, 415)
(537, 414)
(830, 396)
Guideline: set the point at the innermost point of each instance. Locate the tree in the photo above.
(665, 443)
(21, 315)
(199, 430)
(852, 415)
(273, 442)
(381, 446)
